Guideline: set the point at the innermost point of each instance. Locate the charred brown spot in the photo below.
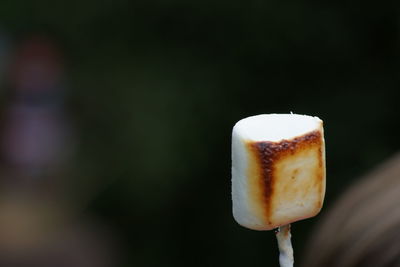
(266, 154)
(321, 175)
(321, 163)
(294, 173)
(292, 146)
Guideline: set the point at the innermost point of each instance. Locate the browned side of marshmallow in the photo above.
(270, 184)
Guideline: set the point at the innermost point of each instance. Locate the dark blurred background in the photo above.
(116, 119)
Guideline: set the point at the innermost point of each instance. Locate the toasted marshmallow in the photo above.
(278, 169)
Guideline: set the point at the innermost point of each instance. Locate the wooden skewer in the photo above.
(285, 246)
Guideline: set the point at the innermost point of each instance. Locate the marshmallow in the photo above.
(278, 169)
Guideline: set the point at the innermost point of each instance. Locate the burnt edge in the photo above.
(267, 153)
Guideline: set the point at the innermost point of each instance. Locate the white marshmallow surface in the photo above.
(278, 169)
